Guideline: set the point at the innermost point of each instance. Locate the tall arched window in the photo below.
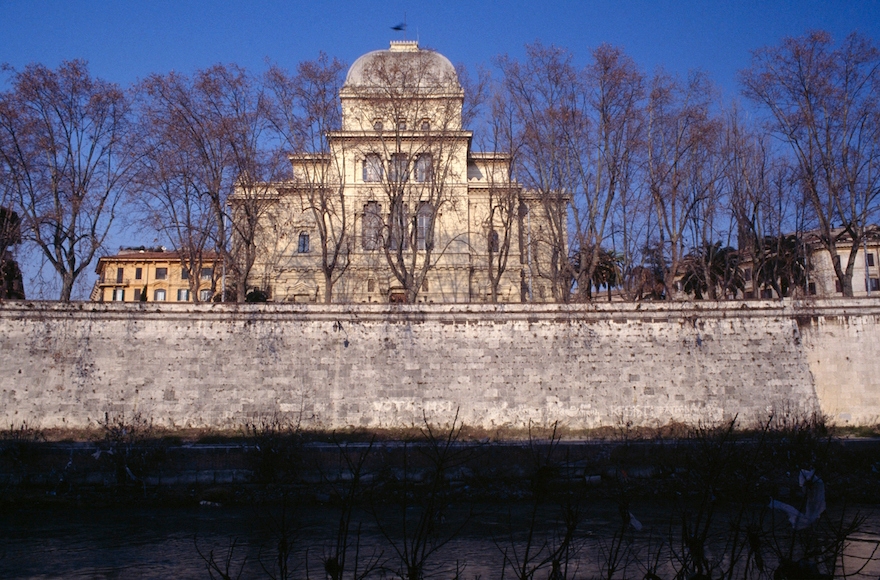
(400, 228)
(425, 226)
(371, 226)
(493, 241)
(424, 167)
(372, 168)
(399, 167)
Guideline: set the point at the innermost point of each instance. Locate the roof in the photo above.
(149, 255)
(404, 63)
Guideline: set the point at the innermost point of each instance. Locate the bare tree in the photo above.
(214, 125)
(824, 102)
(61, 141)
(306, 112)
(579, 136)
(544, 93)
(763, 201)
(614, 106)
(500, 201)
(680, 171)
(503, 194)
(247, 110)
(167, 193)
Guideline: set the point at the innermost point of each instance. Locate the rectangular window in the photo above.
(184, 274)
(837, 286)
(205, 295)
(302, 246)
(207, 273)
(373, 168)
(811, 288)
(875, 284)
(138, 273)
(159, 295)
(137, 294)
(161, 273)
(371, 285)
(119, 273)
(182, 295)
(118, 294)
(870, 259)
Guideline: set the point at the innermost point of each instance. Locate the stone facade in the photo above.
(823, 281)
(378, 366)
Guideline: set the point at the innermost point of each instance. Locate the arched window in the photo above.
(303, 245)
(159, 295)
(425, 226)
(372, 168)
(377, 125)
(371, 226)
(400, 227)
(424, 167)
(493, 241)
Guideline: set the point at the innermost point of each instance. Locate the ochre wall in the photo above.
(385, 366)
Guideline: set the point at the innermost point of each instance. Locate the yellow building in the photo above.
(399, 208)
(155, 275)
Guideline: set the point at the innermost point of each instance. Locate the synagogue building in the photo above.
(397, 206)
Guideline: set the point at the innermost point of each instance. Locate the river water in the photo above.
(107, 543)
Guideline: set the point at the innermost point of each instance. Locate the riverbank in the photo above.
(131, 463)
(270, 499)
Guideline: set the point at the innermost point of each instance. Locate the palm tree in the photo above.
(607, 272)
(711, 269)
(781, 264)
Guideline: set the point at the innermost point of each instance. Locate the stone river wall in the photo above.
(340, 366)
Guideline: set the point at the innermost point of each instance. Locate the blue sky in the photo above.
(125, 40)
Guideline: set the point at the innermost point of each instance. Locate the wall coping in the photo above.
(845, 307)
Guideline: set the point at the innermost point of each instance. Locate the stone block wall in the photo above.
(339, 366)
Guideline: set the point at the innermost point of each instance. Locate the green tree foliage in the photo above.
(713, 270)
